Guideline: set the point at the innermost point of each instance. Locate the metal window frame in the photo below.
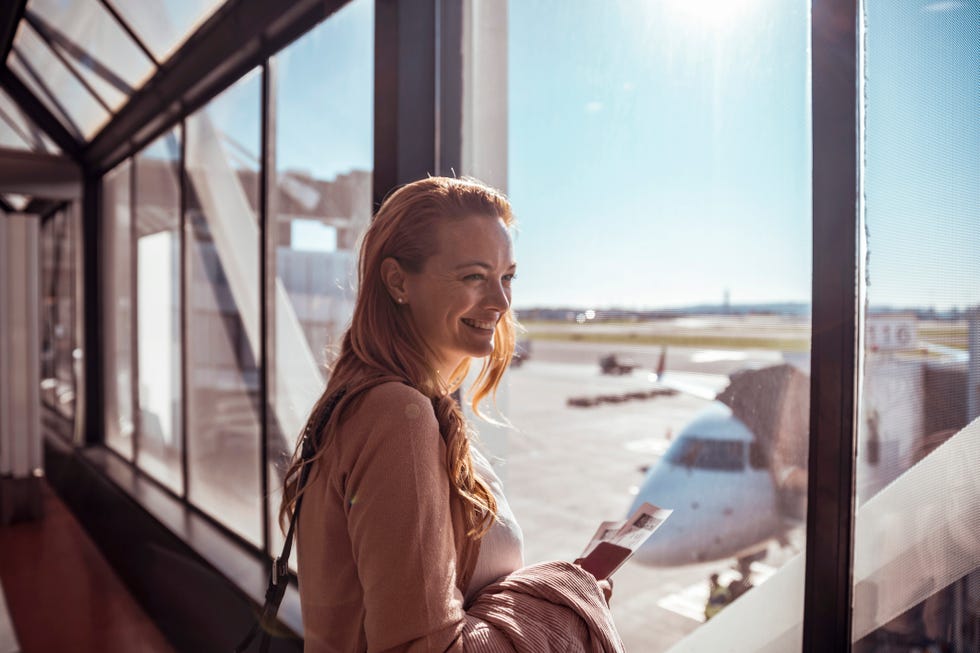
(15, 128)
(298, 21)
(184, 310)
(267, 276)
(240, 36)
(134, 358)
(406, 87)
(835, 334)
(10, 17)
(70, 145)
(61, 41)
(68, 121)
(44, 32)
(130, 32)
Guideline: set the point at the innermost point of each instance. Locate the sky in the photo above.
(922, 153)
(658, 158)
(659, 150)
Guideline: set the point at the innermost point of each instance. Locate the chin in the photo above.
(485, 351)
(477, 352)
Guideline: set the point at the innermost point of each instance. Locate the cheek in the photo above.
(459, 301)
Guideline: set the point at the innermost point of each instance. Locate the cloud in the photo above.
(593, 107)
(944, 5)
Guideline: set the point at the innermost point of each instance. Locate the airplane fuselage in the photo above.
(723, 506)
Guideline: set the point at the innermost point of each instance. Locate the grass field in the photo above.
(947, 335)
(789, 338)
(707, 341)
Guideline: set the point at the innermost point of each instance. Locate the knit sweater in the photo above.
(383, 558)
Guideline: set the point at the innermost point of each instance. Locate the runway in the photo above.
(567, 468)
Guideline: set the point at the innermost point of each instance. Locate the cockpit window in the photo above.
(702, 453)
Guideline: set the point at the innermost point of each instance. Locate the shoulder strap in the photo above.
(279, 579)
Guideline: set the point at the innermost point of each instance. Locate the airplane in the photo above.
(725, 502)
(736, 475)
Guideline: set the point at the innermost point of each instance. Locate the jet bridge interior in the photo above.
(170, 281)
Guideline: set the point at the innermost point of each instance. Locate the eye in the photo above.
(510, 277)
(476, 276)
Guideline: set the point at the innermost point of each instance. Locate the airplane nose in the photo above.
(675, 542)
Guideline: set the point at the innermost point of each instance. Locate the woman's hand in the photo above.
(606, 586)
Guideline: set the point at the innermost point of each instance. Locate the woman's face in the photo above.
(463, 289)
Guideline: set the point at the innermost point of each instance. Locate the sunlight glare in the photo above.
(715, 13)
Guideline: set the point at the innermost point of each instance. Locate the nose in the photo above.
(498, 296)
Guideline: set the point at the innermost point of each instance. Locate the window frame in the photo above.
(835, 330)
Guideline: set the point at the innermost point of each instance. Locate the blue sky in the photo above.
(658, 158)
(659, 150)
(326, 91)
(922, 174)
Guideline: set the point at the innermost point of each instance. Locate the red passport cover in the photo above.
(605, 559)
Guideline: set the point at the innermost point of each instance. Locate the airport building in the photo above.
(183, 190)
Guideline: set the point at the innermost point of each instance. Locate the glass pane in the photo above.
(916, 551)
(324, 140)
(89, 37)
(658, 159)
(29, 77)
(58, 342)
(159, 309)
(705, 453)
(223, 400)
(118, 321)
(18, 131)
(45, 75)
(164, 26)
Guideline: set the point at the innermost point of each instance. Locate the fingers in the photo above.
(605, 585)
(607, 588)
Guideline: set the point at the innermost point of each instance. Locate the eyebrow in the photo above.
(480, 264)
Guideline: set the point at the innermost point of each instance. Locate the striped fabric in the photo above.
(549, 607)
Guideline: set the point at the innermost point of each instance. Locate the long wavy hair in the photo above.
(383, 344)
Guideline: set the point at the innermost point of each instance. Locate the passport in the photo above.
(615, 542)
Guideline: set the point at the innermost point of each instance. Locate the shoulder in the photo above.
(390, 431)
(392, 406)
(396, 401)
(393, 391)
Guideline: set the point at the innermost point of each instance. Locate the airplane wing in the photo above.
(705, 386)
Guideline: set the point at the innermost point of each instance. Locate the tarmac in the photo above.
(567, 468)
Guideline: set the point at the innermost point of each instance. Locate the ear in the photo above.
(394, 278)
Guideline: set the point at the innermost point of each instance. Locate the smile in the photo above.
(479, 324)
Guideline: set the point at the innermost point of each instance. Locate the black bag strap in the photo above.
(279, 579)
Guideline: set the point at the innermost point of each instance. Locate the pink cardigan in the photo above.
(382, 559)
(550, 606)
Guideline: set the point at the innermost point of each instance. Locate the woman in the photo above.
(402, 523)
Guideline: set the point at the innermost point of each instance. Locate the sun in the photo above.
(714, 13)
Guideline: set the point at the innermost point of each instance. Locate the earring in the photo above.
(401, 300)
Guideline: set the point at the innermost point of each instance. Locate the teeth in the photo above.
(479, 324)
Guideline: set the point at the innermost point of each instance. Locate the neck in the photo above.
(444, 370)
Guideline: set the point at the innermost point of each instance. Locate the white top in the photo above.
(502, 548)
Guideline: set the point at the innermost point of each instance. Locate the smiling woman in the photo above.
(406, 525)
(461, 292)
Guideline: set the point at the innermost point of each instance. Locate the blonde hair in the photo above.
(382, 343)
